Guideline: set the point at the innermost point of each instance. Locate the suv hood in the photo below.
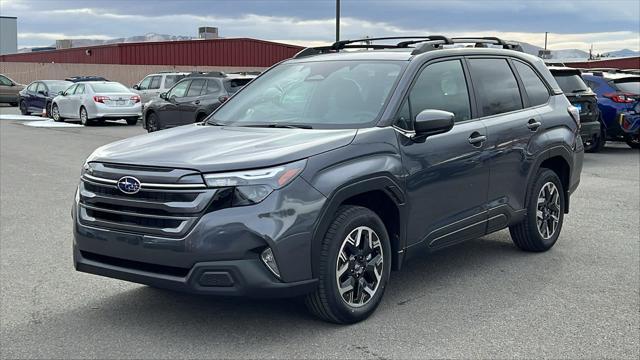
(208, 148)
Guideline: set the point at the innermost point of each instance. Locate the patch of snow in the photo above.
(22, 117)
(52, 124)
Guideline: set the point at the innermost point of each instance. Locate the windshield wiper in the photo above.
(281, 125)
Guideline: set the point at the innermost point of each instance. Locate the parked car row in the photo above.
(608, 100)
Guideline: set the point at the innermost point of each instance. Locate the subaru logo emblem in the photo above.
(129, 185)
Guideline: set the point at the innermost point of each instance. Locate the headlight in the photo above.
(253, 186)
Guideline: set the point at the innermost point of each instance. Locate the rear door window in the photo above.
(495, 85)
(155, 82)
(196, 87)
(536, 90)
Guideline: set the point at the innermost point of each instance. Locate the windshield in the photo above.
(109, 87)
(570, 82)
(631, 86)
(56, 87)
(328, 94)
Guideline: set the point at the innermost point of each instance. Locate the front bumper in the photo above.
(224, 246)
(225, 278)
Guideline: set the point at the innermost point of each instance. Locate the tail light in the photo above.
(100, 98)
(223, 98)
(135, 99)
(620, 97)
(575, 114)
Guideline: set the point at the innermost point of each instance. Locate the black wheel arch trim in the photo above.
(353, 188)
(554, 151)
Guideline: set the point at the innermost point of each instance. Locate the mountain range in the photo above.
(566, 54)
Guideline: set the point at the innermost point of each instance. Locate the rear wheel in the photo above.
(84, 117)
(200, 117)
(23, 108)
(597, 143)
(55, 113)
(545, 212)
(152, 122)
(355, 263)
(132, 120)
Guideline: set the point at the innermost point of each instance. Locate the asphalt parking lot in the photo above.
(480, 299)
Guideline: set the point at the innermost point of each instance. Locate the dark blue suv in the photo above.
(618, 96)
(333, 168)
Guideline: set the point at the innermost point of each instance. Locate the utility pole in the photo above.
(546, 33)
(337, 20)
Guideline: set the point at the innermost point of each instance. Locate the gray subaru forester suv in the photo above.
(334, 167)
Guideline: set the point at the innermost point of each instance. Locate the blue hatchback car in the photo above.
(618, 99)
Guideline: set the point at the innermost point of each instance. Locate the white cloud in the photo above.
(303, 31)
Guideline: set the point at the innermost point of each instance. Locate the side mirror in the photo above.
(163, 96)
(135, 87)
(432, 122)
(62, 93)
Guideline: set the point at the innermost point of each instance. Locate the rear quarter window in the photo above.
(537, 91)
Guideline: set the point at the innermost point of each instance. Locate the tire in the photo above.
(530, 235)
(84, 117)
(598, 143)
(200, 118)
(633, 141)
(152, 122)
(337, 252)
(48, 107)
(55, 113)
(14, 104)
(23, 108)
(132, 120)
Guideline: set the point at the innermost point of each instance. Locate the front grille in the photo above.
(165, 206)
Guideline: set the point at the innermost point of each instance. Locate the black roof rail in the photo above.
(480, 41)
(207, 74)
(350, 44)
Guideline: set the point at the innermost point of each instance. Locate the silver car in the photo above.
(153, 85)
(93, 101)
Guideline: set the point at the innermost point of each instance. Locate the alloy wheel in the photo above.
(548, 210)
(83, 116)
(55, 113)
(359, 266)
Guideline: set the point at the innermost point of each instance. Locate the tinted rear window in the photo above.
(234, 85)
(628, 85)
(109, 87)
(536, 90)
(496, 86)
(570, 82)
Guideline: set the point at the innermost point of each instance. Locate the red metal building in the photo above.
(632, 62)
(239, 52)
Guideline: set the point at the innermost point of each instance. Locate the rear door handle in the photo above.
(533, 124)
(476, 139)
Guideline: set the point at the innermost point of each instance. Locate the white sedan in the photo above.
(93, 101)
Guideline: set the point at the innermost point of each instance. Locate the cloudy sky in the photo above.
(608, 25)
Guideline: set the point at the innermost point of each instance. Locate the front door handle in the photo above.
(476, 139)
(533, 124)
(197, 102)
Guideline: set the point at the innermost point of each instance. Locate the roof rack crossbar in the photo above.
(510, 45)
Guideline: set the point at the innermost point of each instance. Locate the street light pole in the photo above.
(337, 20)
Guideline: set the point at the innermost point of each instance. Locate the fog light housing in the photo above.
(270, 261)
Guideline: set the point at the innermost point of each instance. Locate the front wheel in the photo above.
(354, 267)
(152, 122)
(23, 108)
(55, 113)
(540, 228)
